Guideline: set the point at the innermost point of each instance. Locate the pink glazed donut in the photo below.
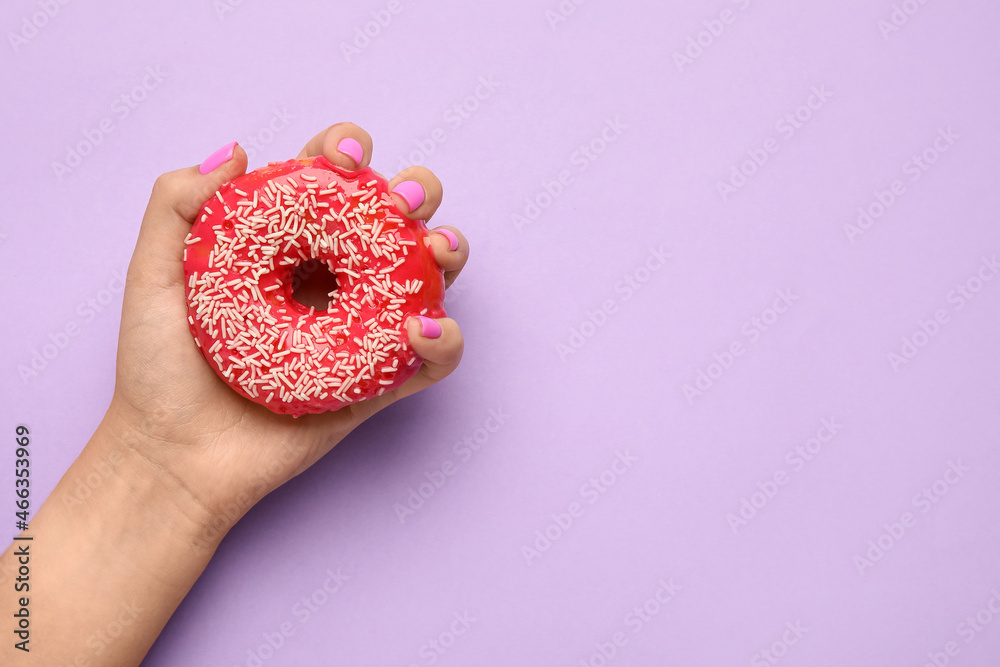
(239, 263)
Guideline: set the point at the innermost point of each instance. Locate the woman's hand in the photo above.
(179, 456)
(169, 405)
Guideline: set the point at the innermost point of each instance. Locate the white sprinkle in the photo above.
(266, 351)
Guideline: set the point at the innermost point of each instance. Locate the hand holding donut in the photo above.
(180, 455)
(163, 383)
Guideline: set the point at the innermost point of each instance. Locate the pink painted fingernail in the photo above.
(221, 156)
(448, 234)
(352, 149)
(429, 328)
(412, 192)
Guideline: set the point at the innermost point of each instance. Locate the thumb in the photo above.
(176, 199)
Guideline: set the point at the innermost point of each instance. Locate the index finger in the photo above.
(344, 144)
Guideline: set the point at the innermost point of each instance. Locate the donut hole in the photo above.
(314, 285)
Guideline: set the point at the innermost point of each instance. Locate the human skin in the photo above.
(181, 457)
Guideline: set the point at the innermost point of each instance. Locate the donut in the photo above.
(239, 266)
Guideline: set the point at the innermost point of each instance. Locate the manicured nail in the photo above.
(412, 192)
(448, 234)
(221, 156)
(352, 149)
(429, 328)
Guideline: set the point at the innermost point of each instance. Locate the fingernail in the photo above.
(429, 328)
(448, 234)
(352, 149)
(412, 192)
(221, 156)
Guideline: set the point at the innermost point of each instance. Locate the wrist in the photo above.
(121, 456)
(117, 533)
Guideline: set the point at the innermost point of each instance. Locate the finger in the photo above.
(182, 192)
(451, 250)
(175, 201)
(344, 144)
(440, 344)
(417, 192)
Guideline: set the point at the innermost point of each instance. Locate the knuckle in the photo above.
(350, 129)
(165, 185)
(457, 347)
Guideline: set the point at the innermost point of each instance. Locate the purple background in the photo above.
(672, 132)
